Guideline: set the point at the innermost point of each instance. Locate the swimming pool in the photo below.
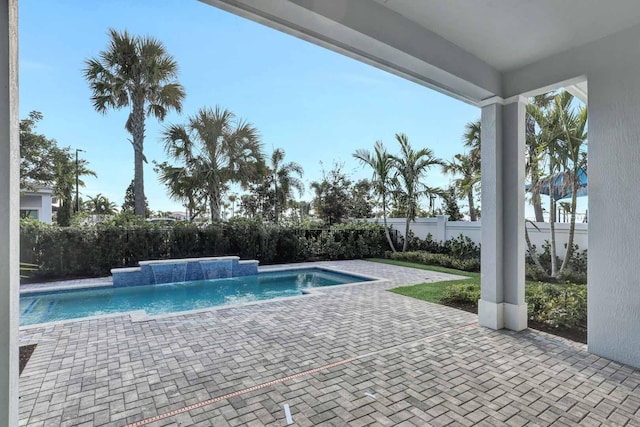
(174, 297)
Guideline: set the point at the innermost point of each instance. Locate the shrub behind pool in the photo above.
(92, 251)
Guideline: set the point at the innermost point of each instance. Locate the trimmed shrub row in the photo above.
(93, 251)
(559, 306)
(443, 260)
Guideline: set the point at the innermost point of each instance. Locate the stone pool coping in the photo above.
(142, 316)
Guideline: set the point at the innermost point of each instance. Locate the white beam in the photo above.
(371, 33)
(9, 212)
(575, 65)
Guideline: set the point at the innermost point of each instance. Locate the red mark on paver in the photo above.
(281, 380)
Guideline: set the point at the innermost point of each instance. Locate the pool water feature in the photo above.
(43, 307)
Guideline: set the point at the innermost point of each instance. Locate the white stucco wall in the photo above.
(421, 227)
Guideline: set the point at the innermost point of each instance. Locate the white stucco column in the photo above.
(501, 302)
(613, 312)
(9, 212)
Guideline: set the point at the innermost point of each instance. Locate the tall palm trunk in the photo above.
(384, 220)
(215, 202)
(533, 166)
(137, 132)
(535, 192)
(405, 246)
(275, 199)
(552, 223)
(532, 249)
(409, 215)
(572, 226)
(472, 209)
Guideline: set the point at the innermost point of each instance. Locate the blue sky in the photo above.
(315, 104)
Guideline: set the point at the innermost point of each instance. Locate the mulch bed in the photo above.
(25, 354)
(578, 335)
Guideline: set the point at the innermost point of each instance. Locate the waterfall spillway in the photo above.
(181, 270)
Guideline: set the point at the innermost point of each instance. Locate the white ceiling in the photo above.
(508, 34)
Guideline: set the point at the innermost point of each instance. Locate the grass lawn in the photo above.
(429, 291)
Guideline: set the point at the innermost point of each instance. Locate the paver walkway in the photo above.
(368, 357)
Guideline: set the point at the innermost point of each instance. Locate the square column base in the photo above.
(499, 315)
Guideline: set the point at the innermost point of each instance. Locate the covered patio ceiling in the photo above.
(509, 34)
(472, 50)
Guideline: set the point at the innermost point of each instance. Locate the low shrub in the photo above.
(575, 272)
(460, 247)
(471, 264)
(461, 294)
(563, 306)
(555, 305)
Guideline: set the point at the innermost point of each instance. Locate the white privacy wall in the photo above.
(441, 229)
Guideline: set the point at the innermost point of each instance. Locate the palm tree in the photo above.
(468, 166)
(411, 167)
(183, 186)
(135, 72)
(216, 148)
(549, 145)
(472, 138)
(232, 199)
(381, 163)
(284, 181)
(535, 149)
(573, 124)
(100, 205)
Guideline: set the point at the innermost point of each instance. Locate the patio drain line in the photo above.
(290, 377)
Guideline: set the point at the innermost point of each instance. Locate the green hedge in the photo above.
(93, 251)
(443, 260)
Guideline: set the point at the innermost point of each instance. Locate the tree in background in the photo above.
(65, 180)
(259, 201)
(43, 163)
(301, 209)
(135, 72)
(215, 149)
(560, 136)
(467, 166)
(100, 205)
(362, 200)
(450, 204)
(411, 169)
(233, 198)
(129, 204)
(332, 198)
(286, 179)
(472, 139)
(535, 149)
(382, 165)
(573, 136)
(183, 186)
(37, 154)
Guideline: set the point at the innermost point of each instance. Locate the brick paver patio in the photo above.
(392, 360)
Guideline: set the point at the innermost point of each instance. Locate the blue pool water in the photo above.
(174, 297)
